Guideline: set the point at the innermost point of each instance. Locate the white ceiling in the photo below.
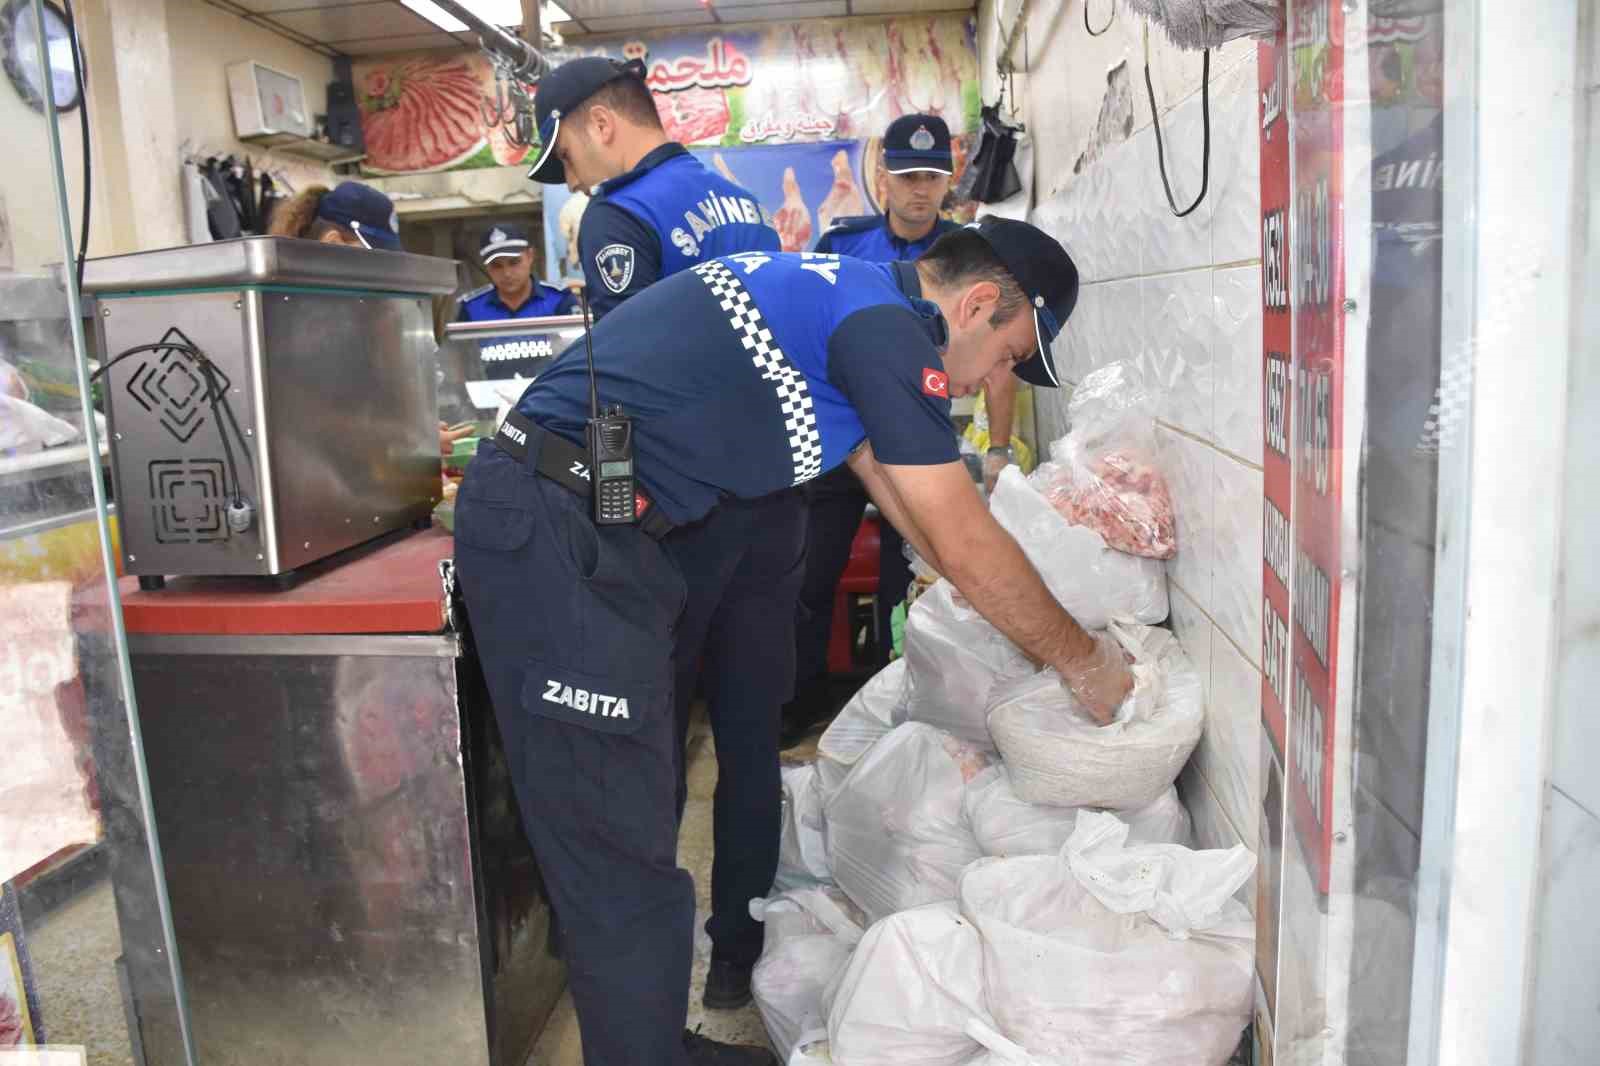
(366, 27)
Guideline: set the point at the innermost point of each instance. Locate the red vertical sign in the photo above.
(1277, 400)
(1316, 65)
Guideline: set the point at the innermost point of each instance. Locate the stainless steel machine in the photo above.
(277, 403)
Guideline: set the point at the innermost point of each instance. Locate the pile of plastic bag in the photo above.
(974, 872)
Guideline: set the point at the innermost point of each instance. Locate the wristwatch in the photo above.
(1005, 450)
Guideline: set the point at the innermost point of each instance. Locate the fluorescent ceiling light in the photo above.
(494, 12)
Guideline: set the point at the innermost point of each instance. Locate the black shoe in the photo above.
(727, 985)
(703, 1051)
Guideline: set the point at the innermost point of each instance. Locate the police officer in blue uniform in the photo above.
(918, 167)
(776, 369)
(656, 210)
(507, 257)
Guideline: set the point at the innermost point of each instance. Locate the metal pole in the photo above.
(69, 279)
(528, 63)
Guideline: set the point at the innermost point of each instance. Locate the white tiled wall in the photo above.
(1180, 298)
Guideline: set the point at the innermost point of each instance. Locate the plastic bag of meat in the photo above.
(1114, 954)
(1104, 476)
(954, 659)
(1094, 582)
(877, 707)
(1059, 756)
(897, 831)
(1005, 824)
(810, 934)
(802, 850)
(912, 986)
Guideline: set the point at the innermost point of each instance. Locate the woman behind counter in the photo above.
(356, 215)
(353, 214)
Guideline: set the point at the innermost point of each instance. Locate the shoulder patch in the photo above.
(615, 263)
(475, 293)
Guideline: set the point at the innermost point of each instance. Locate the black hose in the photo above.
(215, 393)
(1109, 20)
(1205, 120)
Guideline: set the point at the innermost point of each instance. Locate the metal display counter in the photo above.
(349, 877)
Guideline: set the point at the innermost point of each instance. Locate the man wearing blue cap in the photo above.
(655, 211)
(918, 167)
(775, 369)
(507, 256)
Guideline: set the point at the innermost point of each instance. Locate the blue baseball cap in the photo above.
(917, 142)
(1047, 276)
(563, 91)
(366, 211)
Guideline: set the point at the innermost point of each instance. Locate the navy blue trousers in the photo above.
(743, 566)
(574, 625)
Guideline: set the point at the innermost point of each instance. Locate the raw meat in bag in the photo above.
(1096, 583)
(954, 658)
(809, 937)
(877, 707)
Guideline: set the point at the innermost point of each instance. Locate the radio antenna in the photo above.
(588, 345)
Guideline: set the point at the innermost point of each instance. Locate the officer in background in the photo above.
(918, 168)
(777, 368)
(507, 257)
(655, 210)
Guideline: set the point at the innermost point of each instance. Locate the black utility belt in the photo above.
(568, 465)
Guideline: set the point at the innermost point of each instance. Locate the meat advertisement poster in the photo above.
(790, 83)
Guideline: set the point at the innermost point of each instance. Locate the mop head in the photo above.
(1197, 24)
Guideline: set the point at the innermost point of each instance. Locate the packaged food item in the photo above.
(1104, 475)
(1114, 954)
(802, 850)
(1005, 824)
(877, 707)
(897, 830)
(1057, 755)
(1096, 583)
(810, 934)
(913, 984)
(954, 659)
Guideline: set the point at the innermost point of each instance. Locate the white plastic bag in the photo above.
(812, 1051)
(877, 707)
(1006, 824)
(1061, 757)
(897, 830)
(25, 427)
(1094, 582)
(802, 849)
(954, 660)
(912, 986)
(809, 937)
(1162, 976)
(1105, 476)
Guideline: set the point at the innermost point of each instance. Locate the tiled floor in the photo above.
(559, 1045)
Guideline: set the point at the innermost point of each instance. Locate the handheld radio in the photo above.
(610, 438)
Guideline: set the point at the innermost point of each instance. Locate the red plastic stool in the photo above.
(858, 583)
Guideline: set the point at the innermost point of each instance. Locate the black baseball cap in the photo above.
(917, 142)
(503, 239)
(1047, 276)
(561, 92)
(366, 211)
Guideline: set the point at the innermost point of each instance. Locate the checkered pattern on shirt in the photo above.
(794, 395)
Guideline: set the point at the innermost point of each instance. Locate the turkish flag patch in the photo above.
(935, 383)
